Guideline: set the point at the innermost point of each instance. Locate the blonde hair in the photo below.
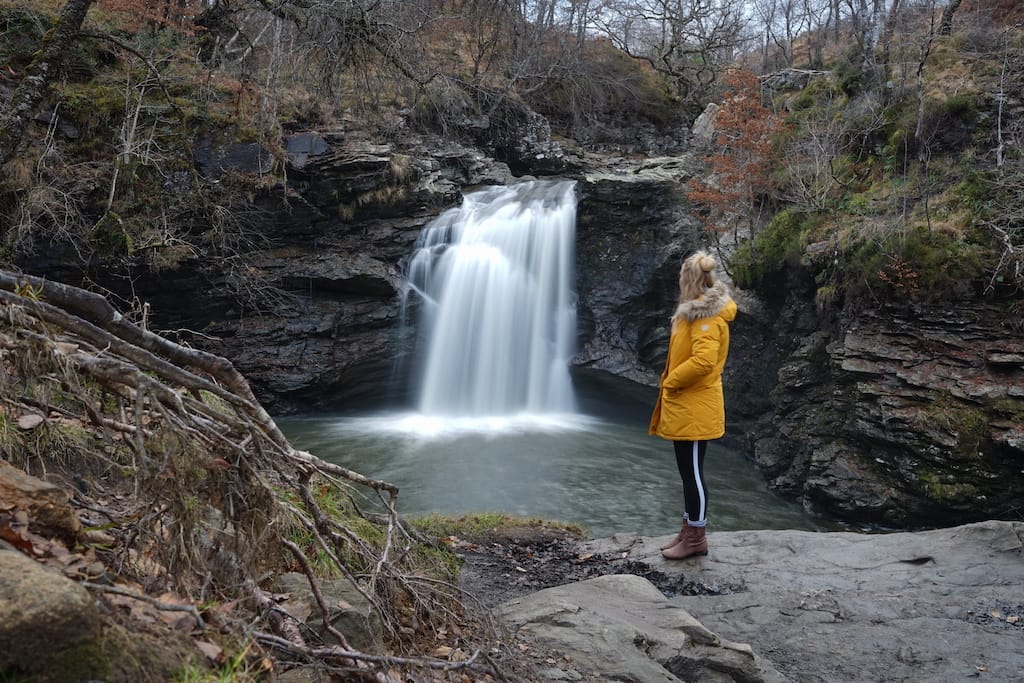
(695, 275)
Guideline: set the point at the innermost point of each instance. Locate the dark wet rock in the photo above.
(213, 159)
(301, 146)
(523, 141)
(901, 416)
(633, 229)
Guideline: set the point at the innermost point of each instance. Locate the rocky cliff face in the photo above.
(325, 328)
(909, 416)
(310, 311)
(633, 229)
(900, 415)
(321, 323)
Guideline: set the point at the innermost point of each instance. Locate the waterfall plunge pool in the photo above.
(598, 468)
(499, 424)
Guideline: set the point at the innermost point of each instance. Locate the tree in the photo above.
(731, 198)
(40, 73)
(688, 43)
(811, 177)
(784, 21)
(946, 23)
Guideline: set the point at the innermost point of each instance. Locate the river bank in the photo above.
(543, 604)
(940, 605)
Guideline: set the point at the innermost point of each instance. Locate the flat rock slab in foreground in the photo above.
(943, 605)
(621, 628)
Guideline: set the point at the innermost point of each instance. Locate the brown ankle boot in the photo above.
(694, 543)
(675, 539)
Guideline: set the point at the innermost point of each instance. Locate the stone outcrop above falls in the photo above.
(904, 416)
(633, 229)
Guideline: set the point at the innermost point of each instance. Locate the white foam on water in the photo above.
(417, 426)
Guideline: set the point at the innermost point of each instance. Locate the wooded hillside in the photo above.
(897, 150)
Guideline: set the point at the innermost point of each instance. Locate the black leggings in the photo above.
(690, 460)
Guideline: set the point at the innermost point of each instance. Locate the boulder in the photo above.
(704, 127)
(349, 612)
(621, 628)
(44, 616)
(212, 158)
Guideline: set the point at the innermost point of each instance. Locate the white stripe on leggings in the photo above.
(702, 519)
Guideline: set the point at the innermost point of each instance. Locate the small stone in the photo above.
(30, 421)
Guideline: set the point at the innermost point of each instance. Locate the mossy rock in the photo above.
(54, 631)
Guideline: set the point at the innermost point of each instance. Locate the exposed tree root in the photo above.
(213, 500)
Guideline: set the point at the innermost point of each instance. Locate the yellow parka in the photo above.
(691, 406)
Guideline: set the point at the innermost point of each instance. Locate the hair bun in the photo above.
(706, 263)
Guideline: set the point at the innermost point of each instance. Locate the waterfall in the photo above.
(497, 311)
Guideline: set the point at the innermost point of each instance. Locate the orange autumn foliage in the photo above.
(744, 130)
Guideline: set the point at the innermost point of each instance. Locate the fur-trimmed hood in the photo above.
(715, 301)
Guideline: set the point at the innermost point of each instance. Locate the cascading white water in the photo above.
(498, 318)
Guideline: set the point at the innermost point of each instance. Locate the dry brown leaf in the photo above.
(217, 465)
(16, 538)
(212, 651)
(182, 623)
(173, 599)
(99, 537)
(228, 607)
(62, 554)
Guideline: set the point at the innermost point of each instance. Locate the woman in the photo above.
(691, 409)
